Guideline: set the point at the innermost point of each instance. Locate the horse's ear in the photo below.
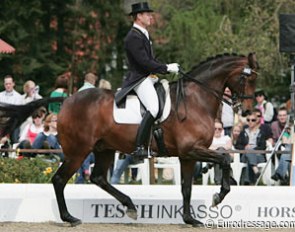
(253, 61)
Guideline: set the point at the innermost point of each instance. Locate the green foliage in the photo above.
(53, 37)
(26, 170)
(195, 30)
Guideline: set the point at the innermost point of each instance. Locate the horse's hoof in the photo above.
(215, 200)
(191, 221)
(132, 213)
(198, 225)
(76, 223)
(72, 220)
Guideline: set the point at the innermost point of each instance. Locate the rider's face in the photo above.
(145, 19)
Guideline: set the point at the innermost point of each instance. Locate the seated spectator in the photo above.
(197, 172)
(282, 172)
(11, 96)
(48, 138)
(227, 113)
(252, 138)
(104, 84)
(61, 88)
(83, 173)
(4, 144)
(265, 107)
(288, 106)
(265, 127)
(241, 118)
(219, 142)
(89, 81)
(31, 131)
(278, 125)
(31, 93)
(121, 166)
(236, 130)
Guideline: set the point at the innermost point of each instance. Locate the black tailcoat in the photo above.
(141, 62)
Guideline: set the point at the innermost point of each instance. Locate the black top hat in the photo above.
(140, 7)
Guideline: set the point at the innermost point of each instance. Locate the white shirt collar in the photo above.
(11, 93)
(143, 30)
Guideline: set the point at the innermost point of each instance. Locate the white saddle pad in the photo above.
(131, 113)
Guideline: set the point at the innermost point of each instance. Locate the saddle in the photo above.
(121, 96)
(127, 101)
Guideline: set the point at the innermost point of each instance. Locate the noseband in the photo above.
(239, 96)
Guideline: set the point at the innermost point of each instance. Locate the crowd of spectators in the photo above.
(40, 130)
(259, 129)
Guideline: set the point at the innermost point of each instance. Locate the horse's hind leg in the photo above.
(98, 176)
(224, 161)
(187, 171)
(59, 180)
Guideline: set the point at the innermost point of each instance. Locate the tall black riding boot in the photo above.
(143, 133)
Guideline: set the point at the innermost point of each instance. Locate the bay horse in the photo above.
(85, 124)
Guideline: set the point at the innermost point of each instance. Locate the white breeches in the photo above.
(148, 95)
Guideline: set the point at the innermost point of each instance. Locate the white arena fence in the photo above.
(243, 207)
(247, 206)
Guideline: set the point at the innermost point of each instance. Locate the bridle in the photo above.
(236, 98)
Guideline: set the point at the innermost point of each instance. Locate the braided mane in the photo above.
(214, 58)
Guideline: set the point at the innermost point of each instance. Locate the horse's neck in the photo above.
(209, 101)
(196, 99)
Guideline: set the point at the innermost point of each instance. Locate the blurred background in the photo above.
(73, 37)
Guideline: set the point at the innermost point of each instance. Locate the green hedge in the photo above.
(34, 170)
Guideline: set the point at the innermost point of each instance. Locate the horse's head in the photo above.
(239, 73)
(242, 81)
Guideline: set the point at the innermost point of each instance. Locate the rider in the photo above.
(141, 67)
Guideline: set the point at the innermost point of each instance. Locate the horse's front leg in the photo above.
(187, 171)
(225, 181)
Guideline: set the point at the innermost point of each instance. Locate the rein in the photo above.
(180, 92)
(216, 93)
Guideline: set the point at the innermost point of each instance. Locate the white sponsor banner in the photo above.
(155, 204)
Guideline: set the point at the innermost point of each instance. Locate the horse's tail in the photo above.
(12, 116)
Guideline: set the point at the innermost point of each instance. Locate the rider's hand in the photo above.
(173, 68)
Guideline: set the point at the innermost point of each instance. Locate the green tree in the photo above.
(52, 37)
(195, 30)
